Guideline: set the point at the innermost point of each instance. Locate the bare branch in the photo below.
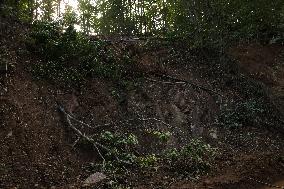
(87, 138)
(181, 81)
(81, 135)
(77, 120)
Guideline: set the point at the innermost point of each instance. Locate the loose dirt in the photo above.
(36, 146)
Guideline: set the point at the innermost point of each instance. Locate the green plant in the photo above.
(162, 136)
(121, 146)
(148, 161)
(194, 158)
(120, 156)
(68, 56)
(243, 113)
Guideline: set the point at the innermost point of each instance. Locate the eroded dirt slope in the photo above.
(36, 146)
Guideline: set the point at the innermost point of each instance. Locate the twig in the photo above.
(104, 160)
(75, 143)
(166, 82)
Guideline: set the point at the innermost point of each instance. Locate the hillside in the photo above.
(232, 102)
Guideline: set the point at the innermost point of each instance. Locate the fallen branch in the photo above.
(165, 82)
(141, 118)
(131, 39)
(157, 120)
(81, 135)
(111, 123)
(77, 120)
(87, 138)
(181, 81)
(265, 183)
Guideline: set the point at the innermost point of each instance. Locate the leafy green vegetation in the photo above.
(69, 57)
(162, 136)
(242, 114)
(202, 23)
(194, 158)
(121, 146)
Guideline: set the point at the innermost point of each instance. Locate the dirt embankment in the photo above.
(36, 147)
(265, 64)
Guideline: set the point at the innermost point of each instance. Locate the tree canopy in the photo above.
(202, 20)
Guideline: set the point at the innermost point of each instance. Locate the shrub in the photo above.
(241, 114)
(121, 146)
(194, 158)
(69, 56)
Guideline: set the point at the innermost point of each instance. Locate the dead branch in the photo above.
(141, 118)
(265, 183)
(155, 119)
(181, 81)
(81, 135)
(70, 116)
(78, 132)
(165, 82)
(131, 39)
(87, 138)
(111, 123)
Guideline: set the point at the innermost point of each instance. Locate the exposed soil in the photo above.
(36, 146)
(265, 64)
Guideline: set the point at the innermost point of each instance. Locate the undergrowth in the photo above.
(69, 57)
(247, 113)
(123, 157)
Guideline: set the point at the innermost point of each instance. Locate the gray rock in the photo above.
(94, 178)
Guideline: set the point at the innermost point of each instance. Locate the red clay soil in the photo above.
(36, 147)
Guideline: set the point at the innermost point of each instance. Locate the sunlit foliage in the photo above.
(205, 22)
